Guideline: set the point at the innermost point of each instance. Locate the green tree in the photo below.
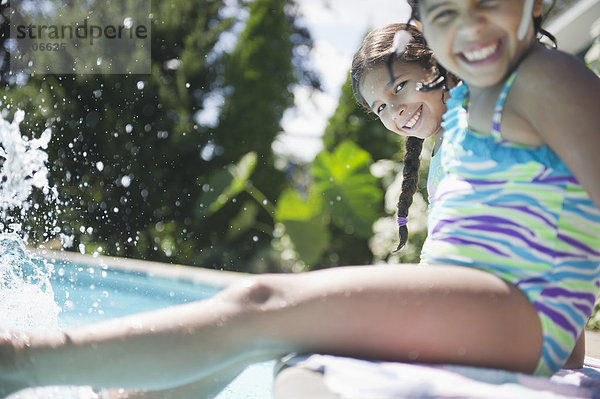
(125, 150)
(133, 163)
(258, 79)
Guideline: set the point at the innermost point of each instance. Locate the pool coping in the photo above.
(196, 274)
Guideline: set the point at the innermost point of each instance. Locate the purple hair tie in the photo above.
(402, 221)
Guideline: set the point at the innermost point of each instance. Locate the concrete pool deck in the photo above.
(592, 343)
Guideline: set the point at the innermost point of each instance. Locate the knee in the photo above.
(254, 293)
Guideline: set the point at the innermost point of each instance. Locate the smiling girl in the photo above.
(388, 83)
(520, 194)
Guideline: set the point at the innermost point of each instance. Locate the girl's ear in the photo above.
(538, 7)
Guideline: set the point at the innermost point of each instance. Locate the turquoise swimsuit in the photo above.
(434, 176)
(518, 213)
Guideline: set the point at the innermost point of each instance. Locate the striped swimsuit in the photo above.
(518, 213)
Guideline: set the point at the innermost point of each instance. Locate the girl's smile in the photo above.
(482, 53)
(414, 120)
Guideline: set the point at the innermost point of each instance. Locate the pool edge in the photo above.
(219, 278)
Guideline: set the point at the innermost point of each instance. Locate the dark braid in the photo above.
(410, 178)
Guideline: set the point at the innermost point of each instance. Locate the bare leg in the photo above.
(441, 314)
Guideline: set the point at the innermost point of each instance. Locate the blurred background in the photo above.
(243, 149)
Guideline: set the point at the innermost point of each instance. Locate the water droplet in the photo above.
(126, 181)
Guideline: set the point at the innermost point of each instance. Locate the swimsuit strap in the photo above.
(497, 117)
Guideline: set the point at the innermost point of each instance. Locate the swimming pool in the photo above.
(91, 289)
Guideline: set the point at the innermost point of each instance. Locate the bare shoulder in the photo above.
(559, 98)
(551, 74)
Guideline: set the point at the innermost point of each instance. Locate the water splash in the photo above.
(23, 164)
(26, 297)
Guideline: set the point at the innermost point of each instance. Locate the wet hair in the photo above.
(537, 21)
(373, 53)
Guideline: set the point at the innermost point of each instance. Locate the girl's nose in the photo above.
(397, 111)
(472, 23)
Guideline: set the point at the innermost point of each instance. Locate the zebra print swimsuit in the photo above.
(518, 213)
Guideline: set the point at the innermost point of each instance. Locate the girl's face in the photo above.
(477, 39)
(401, 108)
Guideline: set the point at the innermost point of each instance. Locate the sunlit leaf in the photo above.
(226, 184)
(244, 220)
(291, 207)
(350, 192)
(304, 224)
(310, 238)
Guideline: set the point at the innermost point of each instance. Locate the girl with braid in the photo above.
(512, 265)
(390, 84)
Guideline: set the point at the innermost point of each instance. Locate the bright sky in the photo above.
(337, 28)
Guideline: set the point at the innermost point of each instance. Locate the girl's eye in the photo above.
(399, 87)
(380, 109)
(442, 16)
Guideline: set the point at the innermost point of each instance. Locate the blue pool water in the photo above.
(89, 294)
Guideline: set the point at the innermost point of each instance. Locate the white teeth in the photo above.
(481, 54)
(413, 120)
